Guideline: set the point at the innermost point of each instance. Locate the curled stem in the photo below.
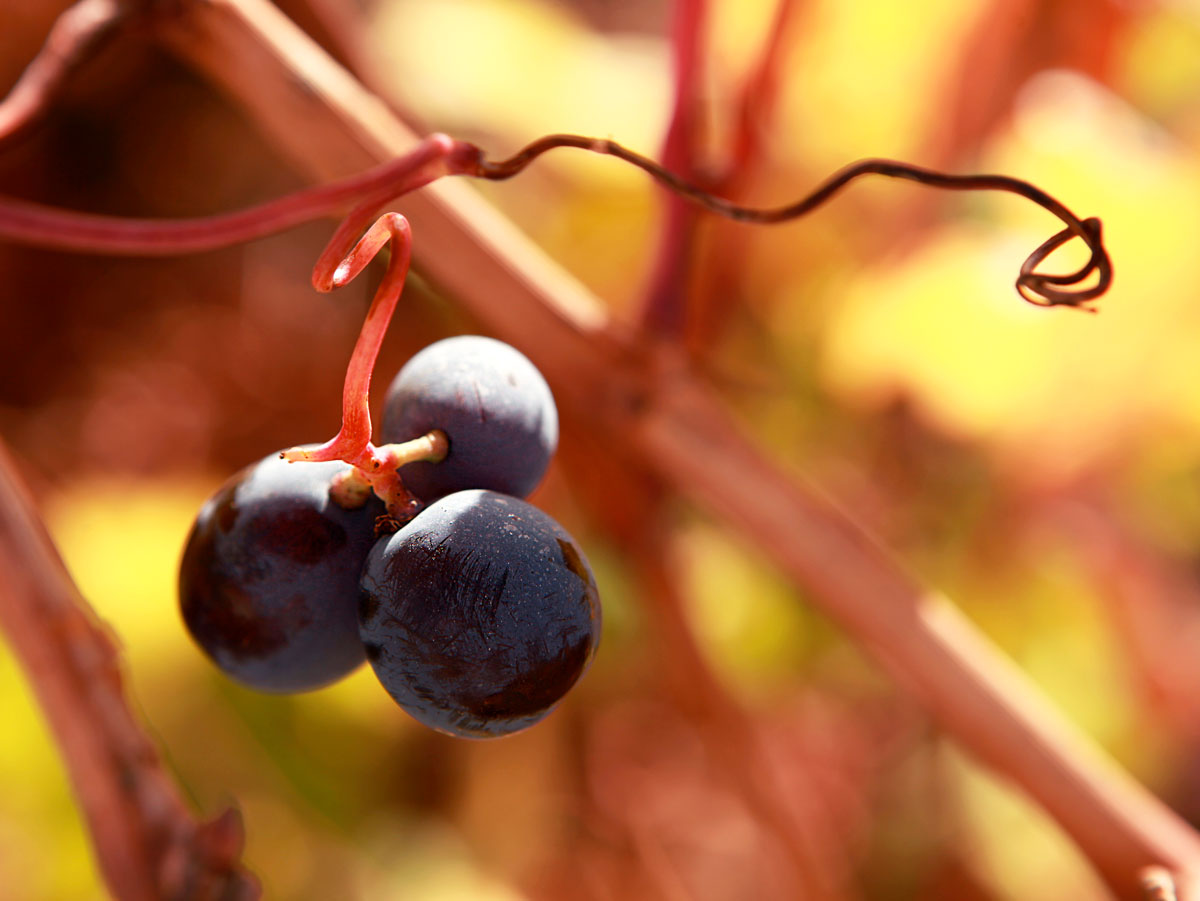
(376, 466)
(337, 265)
(353, 441)
(1037, 288)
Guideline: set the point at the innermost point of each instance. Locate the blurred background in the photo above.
(1039, 466)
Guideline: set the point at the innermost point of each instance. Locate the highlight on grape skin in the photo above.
(268, 583)
(479, 615)
(492, 403)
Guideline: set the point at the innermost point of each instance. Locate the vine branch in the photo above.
(664, 307)
(31, 223)
(25, 222)
(75, 37)
(148, 845)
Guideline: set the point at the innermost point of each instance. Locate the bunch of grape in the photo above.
(477, 615)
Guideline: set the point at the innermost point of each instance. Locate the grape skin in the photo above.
(493, 405)
(268, 583)
(479, 615)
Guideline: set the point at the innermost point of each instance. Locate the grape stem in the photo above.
(334, 269)
(379, 473)
(343, 259)
(376, 466)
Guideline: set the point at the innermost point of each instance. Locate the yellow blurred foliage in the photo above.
(747, 618)
(1048, 392)
(524, 68)
(1010, 844)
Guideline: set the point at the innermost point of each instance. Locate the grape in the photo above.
(479, 615)
(493, 405)
(268, 585)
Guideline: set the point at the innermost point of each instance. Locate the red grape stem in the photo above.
(379, 473)
(352, 444)
(377, 466)
(334, 269)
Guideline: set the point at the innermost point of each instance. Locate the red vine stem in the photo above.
(30, 223)
(353, 440)
(336, 266)
(759, 92)
(438, 155)
(25, 222)
(716, 277)
(974, 692)
(664, 307)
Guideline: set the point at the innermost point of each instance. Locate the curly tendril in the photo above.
(1038, 288)
(439, 155)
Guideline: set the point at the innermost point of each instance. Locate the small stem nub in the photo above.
(350, 489)
(429, 448)
(376, 469)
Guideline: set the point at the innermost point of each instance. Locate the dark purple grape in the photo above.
(479, 615)
(268, 585)
(493, 405)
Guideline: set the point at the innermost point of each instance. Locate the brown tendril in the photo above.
(1041, 289)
